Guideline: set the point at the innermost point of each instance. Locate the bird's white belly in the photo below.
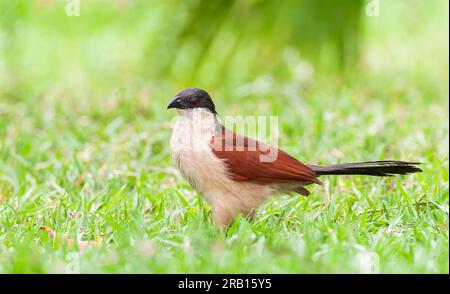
(190, 145)
(200, 169)
(207, 174)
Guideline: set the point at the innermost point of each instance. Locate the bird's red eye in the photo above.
(194, 101)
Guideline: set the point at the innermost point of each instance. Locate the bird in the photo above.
(226, 168)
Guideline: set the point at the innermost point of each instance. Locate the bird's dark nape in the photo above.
(384, 168)
(193, 98)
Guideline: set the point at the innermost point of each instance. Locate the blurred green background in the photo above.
(84, 131)
(222, 46)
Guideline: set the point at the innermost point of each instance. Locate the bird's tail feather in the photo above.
(384, 168)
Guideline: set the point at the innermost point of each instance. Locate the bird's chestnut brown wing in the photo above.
(244, 164)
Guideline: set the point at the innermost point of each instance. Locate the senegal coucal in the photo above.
(229, 170)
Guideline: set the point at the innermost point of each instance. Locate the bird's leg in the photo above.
(226, 206)
(249, 213)
(223, 213)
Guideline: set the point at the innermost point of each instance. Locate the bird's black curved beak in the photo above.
(176, 103)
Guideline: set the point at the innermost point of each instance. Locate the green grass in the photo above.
(84, 150)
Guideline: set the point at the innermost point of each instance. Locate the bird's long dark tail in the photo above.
(371, 168)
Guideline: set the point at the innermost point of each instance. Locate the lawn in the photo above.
(84, 135)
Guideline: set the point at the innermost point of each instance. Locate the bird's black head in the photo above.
(192, 98)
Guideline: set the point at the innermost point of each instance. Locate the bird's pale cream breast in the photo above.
(206, 173)
(190, 146)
